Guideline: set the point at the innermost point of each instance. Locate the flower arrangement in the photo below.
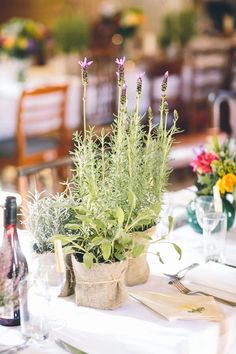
(20, 38)
(215, 164)
(128, 20)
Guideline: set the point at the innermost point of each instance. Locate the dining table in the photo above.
(135, 328)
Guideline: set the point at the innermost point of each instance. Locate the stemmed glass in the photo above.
(204, 205)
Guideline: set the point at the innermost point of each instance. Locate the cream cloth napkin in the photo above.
(180, 306)
(213, 278)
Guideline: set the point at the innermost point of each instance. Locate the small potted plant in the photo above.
(178, 28)
(117, 188)
(72, 36)
(45, 215)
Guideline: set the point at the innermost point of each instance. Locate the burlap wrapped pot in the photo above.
(138, 269)
(102, 286)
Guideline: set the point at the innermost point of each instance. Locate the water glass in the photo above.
(214, 234)
(204, 205)
(33, 310)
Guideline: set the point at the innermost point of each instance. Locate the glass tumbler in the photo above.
(214, 235)
(33, 311)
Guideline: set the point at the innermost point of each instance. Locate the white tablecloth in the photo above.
(133, 328)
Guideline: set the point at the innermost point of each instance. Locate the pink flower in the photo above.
(202, 162)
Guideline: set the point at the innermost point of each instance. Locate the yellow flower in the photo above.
(22, 43)
(227, 183)
(220, 185)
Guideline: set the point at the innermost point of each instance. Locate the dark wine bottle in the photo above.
(13, 267)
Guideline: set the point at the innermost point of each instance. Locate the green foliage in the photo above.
(46, 216)
(178, 27)
(72, 33)
(117, 187)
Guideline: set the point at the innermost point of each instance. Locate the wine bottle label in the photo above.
(7, 310)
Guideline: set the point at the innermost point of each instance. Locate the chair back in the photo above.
(228, 123)
(41, 118)
(46, 177)
(208, 62)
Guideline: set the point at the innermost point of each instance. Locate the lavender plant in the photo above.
(117, 185)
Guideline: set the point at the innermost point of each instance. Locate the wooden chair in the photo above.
(41, 133)
(224, 113)
(208, 61)
(47, 177)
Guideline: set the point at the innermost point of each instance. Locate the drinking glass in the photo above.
(49, 283)
(33, 310)
(204, 205)
(214, 234)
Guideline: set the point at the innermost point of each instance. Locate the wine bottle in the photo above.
(13, 267)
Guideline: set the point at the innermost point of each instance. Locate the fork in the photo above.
(184, 290)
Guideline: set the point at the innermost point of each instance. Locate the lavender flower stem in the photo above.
(84, 110)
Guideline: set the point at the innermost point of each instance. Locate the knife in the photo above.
(230, 265)
(68, 347)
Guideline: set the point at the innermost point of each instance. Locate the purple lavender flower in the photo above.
(121, 72)
(164, 82)
(139, 83)
(84, 69)
(123, 94)
(120, 61)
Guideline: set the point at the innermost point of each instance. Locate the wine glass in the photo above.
(204, 205)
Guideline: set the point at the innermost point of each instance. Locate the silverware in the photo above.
(184, 290)
(14, 348)
(68, 347)
(181, 273)
(230, 265)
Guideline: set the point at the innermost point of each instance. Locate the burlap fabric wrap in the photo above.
(138, 269)
(102, 286)
(68, 287)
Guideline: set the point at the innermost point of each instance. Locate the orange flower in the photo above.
(9, 42)
(227, 183)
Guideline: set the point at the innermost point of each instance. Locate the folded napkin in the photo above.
(180, 306)
(213, 278)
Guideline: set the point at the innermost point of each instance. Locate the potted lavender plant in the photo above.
(117, 188)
